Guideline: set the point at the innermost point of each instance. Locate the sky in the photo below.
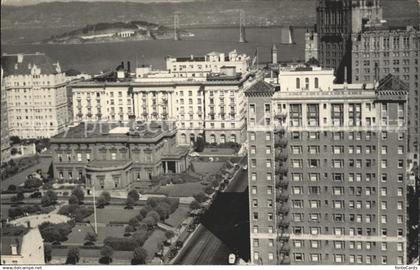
(33, 2)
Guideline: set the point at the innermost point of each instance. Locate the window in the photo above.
(316, 82)
(297, 83)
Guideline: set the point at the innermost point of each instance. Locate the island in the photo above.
(117, 31)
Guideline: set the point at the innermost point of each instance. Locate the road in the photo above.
(210, 243)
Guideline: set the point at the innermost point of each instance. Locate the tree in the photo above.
(12, 188)
(73, 200)
(195, 205)
(139, 256)
(129, 229)
(90, 237)
(101, 202)
(33, 183)
(200, 197)
(47, 253)
(20, 196)
(14, 140)
(169, 234)
(149, 221)
(73, 255)
(209, 190)
(130, 202)
(49, 198)
(133, 222)
(153, 214)
(106, 196)
(14, 151)
(140, 237)
(134, 195)
(106, 253)
(199, 144)
(163, 209)
(78, 192)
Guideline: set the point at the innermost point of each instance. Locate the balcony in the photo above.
(280, 116)
(281, 170)
(282, 197)
(283, 224)
(280, 130)
(89, 114)
(280, 182)
(284, 209)
(280, 155)
(80, 115)
(144, 114)
(280, 142)
(99, 115)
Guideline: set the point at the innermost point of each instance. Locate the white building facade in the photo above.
(36, 96)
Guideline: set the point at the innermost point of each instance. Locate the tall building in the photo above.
(211, 106)
(36, 95)
(336, 21)
(311, 46)
(5, 142)
(380, 51)
(200, 66)
(326, 170)
(115, 157)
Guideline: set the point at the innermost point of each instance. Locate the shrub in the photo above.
(139, 256)
(73, 200)
(195, 205)
(49, 198)
(169, 234)
(209, 190)
(90, 237)
(129, 229)
(73, 255)
(134, 222)
(122, 244)
(163, 209)
(33, 183)
(150, 222)
(153, 214)
(101, 202)
(140, 237)
(55, 232)
(12, 188)
(134, 195)
(78, 192)
(200, 197)
(106, 253)
(106, 196)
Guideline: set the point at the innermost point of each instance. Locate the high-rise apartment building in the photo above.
(326, 170)
(336, 21)
(5, 143)
(212, 106)
(36, 95)
(380, 51)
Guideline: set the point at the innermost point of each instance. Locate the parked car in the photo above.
(226, 181)
(179, 244)
(36, 195)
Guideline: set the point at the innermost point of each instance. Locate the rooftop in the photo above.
(260, 87)
(21, 64)
(116, 130)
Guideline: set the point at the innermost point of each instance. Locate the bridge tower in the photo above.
(242, 37)
(176, 26)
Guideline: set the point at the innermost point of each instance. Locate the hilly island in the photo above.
(116, 31)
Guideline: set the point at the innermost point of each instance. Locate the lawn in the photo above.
(77, 235)
(151, 244)
(181, 190)
(178, 216)
(207, 167)
(113, 213)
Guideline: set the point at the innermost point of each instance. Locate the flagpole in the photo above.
(94, 208)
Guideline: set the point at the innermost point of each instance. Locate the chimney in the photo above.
(122, 64)
(128, 67)
(345, 77)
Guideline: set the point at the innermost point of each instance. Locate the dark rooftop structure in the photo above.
(21, 64)
(260, 87)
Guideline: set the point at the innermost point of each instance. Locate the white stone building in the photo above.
(36, 95)
(211, 106)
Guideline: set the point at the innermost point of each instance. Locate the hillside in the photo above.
(206, 12)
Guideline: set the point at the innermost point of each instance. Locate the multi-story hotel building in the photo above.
(380, 51)
(36, 95)
(5, 142)
(327, 166)
(116, 157)
(212, 106)
(200, 66)
(336, 21)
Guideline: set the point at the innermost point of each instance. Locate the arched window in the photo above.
(297, 83)
(223, 138)
(183, 139)
(316, 83)
(306, 83)
(233, 138)
(212, 138)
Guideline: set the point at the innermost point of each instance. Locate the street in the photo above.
(223, 229)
